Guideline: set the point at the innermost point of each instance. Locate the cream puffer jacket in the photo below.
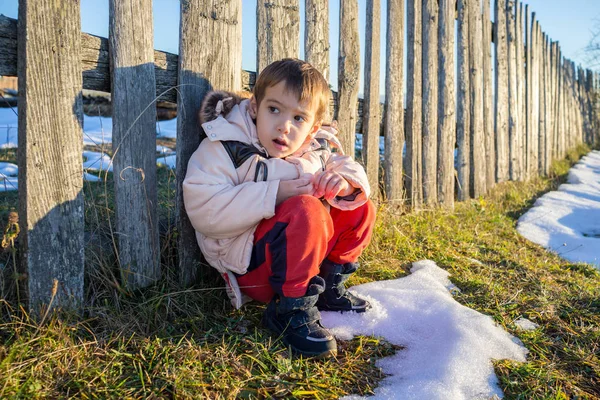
(231, 184)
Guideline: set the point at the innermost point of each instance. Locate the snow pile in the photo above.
(567, 221)
(448, 347)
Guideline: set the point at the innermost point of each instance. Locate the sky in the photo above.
(569, 22)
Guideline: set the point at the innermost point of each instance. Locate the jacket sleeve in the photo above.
(216, 205)
(355, 174)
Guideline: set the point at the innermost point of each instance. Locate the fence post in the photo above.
(200, 70)
(394, 101)
(478, 168)
(488, 95)
(547, 108)
(316, 35)
(414, 114)
(513, 117)
(501, 106)
(554, 97)
(134, 140)
(542, 111)
(348, 74)
(521, 142)
(430, 100)
(371, 117)
(49, 156)
(535, 80)
(463, 113)
(277, 31)
(447, 104)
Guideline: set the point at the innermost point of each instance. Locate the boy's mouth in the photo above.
(279, 143)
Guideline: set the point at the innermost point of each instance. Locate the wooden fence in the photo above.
(541, 106)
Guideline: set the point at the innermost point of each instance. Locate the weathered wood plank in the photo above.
(277, 31)
(430, 100)
(134, 141)
(463, 112)
(544, 163)
(348, 74)
(520, 89)
(488, 96)
(513, 116)
(394, 100)
(478, 168)
(414, 114)
(535, 93)
(214, 65)
(316, 35)
(555, 99)
(372, 118)
(501, 89)
(542, 111)
(528, 94)
(8, 44)
(49, 156)
(447, 104)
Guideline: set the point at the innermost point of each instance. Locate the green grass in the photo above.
(168, 342)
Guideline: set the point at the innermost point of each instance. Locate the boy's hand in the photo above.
(328, 184)
(294, 187)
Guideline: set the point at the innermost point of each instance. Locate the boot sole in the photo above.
(278, 333)
(343, 310)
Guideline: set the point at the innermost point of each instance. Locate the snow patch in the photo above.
(449, 348)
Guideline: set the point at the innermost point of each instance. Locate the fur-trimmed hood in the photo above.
(219, 102)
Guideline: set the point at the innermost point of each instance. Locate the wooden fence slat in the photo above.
(501, 106)
(277, 31)
(488, 95)
(316, 35)
(548, 123)
(520, 65)
(414, 114)
(8, 44)
(447, 104)
(513, 117)
(535, 115)
(478, 168)
(134, 141)
(49, 157)
(430, 100)
(542, 111)
(394, 101)
(214, 65)
(463, 112)
(555, 97)
(372, 118)
(528, 94)
(348, 74)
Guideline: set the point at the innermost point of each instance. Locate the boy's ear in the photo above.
(315, 129)
(253, 108)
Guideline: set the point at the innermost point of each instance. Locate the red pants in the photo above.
(290, 246)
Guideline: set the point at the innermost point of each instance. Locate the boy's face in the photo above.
(283, 124)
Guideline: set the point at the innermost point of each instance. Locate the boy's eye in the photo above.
(299, 118)
(273, 109)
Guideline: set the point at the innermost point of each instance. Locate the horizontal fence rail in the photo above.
(451, 137)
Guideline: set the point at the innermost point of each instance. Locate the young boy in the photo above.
(280, 213)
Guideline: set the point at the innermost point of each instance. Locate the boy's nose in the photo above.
(284, 127)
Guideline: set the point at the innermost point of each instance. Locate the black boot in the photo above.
(335, 297)
(299, 322)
